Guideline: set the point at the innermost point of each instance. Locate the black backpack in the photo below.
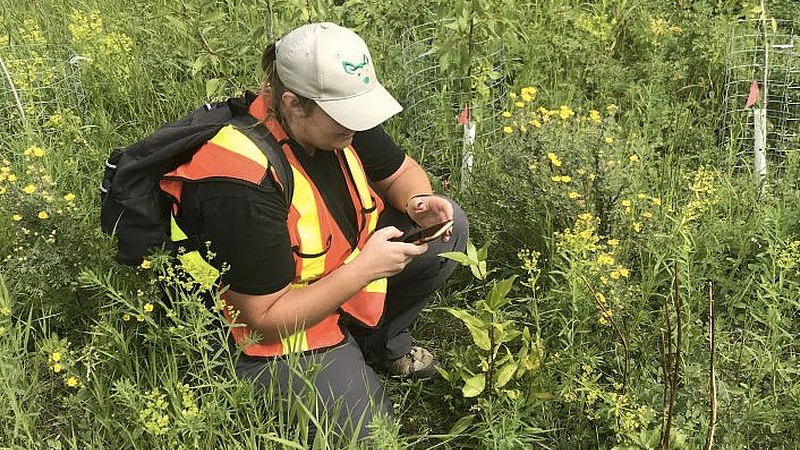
(133, 207)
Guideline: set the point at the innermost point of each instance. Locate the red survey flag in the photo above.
(463, 118)
(754, 96)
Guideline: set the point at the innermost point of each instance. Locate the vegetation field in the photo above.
(631, 284)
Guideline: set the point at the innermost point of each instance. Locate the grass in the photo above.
(93, 355)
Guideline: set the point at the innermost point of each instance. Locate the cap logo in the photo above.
(356, 69)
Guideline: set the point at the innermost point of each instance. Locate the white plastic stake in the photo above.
(760, 142)
(466, 153)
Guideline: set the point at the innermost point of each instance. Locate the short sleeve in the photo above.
(379, 154)
(247, 231)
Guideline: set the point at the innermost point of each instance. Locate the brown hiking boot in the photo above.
(419, 364)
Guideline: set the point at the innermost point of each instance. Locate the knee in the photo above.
(460, 234)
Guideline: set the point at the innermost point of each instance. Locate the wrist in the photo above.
(410, 202)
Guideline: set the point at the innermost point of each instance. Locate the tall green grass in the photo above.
(97, 355)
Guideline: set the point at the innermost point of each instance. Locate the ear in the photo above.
(292, 105)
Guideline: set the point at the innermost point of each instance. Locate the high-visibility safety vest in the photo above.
(319, 245)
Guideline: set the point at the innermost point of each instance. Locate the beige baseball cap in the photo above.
(332, 66)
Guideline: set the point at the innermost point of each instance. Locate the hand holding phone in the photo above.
(420, 237)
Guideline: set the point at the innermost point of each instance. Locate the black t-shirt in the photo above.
(247, 227)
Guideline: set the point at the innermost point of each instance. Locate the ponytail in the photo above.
(272, 84)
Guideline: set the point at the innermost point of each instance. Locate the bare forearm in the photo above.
(301, 308)
(409, 180)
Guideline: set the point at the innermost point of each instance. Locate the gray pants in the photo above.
(347, 394)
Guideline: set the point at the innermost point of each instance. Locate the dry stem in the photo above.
(712, 381)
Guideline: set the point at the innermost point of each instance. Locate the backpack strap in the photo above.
(257, 132)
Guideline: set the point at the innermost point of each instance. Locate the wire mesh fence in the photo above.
(37, 82)
(762, 92)
(436, 97)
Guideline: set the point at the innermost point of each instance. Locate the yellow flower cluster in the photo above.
(108, 52)
(189, 409)
(642, 204)
(530, 264)
(524, 114)
(154, 417)
(661, 27)
(704, 193)
(787, 256)
(85, 27)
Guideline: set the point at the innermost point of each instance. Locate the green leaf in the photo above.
(462, 424)
(479, 270)
(177, 23)
(484, 251)
(213, 87)
(458, 257)
(509, 336)
(500, 290)
(472, 253)
(199, 63)
(505, 373)
(476, 328)
(474, 386)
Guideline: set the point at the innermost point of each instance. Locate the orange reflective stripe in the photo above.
(321, 245)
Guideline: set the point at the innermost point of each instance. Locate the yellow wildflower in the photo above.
(57, 367)
(634, 158)
(16, 217)
(535, 123)
(55, 356)
(611, 109)
(554, 159)
(527, 98)
(587, 216)
(556, 178)
(641, 196)
(604, 259)
(43, 215)
(656, 201)
(626, 203)
(126, 317)
(609, 140)
(29, 189)
(624, 272)
(506, 114)
(565, 112)
(12, 178)
(615, 274)
(594, 115)
(523, 129)
(512, 95)
(508, 130)
(519, 104)
(566, 178)
(38, 152)
(5, 169)
(613, 242)
(69, 197)
(148, 307)
(573, 195)
(72, 382)
(146, 264)
(647, 215)
(637, 226)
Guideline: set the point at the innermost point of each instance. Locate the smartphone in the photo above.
(428, 234)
